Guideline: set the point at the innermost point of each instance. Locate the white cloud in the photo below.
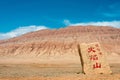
(113, 11)
(21, 30)
(102, 23)
(116, 14)
(66, 22)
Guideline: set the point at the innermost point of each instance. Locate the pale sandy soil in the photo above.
(51, 68)
(57, 71)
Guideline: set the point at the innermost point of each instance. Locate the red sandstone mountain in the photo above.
(62, 41)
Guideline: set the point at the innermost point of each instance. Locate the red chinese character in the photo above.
(93, 57)
(96, 65)
(100, 53)
(91, 49)
(96, 45)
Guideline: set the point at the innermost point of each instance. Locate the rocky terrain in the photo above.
(54, 54)
(61, 42)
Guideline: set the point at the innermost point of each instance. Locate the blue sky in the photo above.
(25, 15)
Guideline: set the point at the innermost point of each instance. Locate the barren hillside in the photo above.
(62, 41)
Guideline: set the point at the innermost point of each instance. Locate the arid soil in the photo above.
(53, 54)
(62, 41)
(58, 71)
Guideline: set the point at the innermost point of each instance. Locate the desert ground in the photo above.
(54, 54)
(51, 70)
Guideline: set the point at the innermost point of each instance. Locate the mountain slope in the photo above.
(62, 41)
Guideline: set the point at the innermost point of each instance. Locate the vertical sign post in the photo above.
(94, 59)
